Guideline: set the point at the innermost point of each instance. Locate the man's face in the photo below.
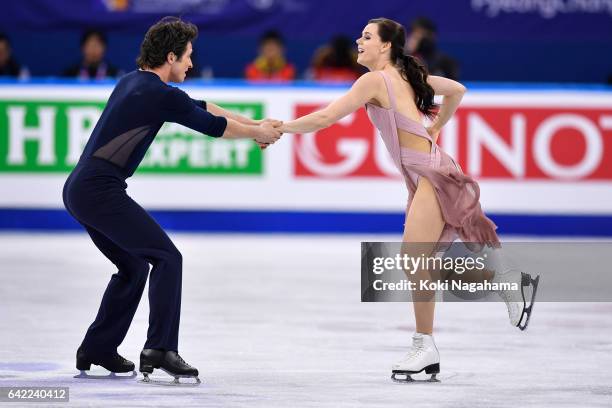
(178, 69)
(5, 52)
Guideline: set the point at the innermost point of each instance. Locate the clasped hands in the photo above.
(270, 132)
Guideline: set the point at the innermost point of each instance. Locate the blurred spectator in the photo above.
(270, 64)
(92, 65)
(8, 66)
(422, 43)
(336, 61)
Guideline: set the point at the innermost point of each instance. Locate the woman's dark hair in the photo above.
(170, 34)
(410, 68)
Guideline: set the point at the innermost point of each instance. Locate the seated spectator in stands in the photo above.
(422, 43)
(336, 61)
(270, 64)
(8, 66)
(92, 65)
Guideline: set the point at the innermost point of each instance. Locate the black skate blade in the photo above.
(527, 310)
(110, 376)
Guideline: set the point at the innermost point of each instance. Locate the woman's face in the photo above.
(369, 45)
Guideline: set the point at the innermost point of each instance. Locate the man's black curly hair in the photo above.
(170, 34)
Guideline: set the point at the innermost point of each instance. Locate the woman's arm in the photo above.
(362, 91)
(453, 92)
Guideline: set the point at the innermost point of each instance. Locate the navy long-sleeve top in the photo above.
(137, 108)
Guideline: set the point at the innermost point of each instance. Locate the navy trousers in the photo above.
(95, 194)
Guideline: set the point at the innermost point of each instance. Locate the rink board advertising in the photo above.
(49, 136)
(540, 156)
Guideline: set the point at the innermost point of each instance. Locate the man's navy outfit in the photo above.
(95, 194)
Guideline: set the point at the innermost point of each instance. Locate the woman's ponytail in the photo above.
(416, 74)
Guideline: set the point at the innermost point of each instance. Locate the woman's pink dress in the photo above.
(458, 193)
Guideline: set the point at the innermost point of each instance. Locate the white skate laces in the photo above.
(417, 347)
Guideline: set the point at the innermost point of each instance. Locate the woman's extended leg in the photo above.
(422, 230)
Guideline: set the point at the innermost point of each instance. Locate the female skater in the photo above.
(443, 201)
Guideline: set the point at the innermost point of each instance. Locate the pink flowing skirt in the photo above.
(458, 195)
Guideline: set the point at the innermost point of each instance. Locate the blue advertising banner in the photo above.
(461, 20)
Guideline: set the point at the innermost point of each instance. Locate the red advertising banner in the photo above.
(509, 143)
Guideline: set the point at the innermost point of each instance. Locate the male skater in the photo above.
(95, 194)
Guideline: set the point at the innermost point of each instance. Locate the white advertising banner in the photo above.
(532, 151)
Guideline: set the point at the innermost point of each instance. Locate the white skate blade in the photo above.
(171, 383)
(110, 376)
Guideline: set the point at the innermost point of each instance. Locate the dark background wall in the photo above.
(493, 40)
(48, 53)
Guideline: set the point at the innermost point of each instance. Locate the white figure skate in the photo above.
(422, 356)
(519, 304)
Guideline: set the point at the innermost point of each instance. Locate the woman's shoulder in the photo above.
(371, 78)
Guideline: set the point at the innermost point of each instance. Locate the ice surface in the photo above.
(276, 321)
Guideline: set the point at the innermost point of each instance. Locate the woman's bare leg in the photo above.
(424, 225)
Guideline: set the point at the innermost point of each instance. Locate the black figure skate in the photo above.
(171, 363)
(113, 362)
